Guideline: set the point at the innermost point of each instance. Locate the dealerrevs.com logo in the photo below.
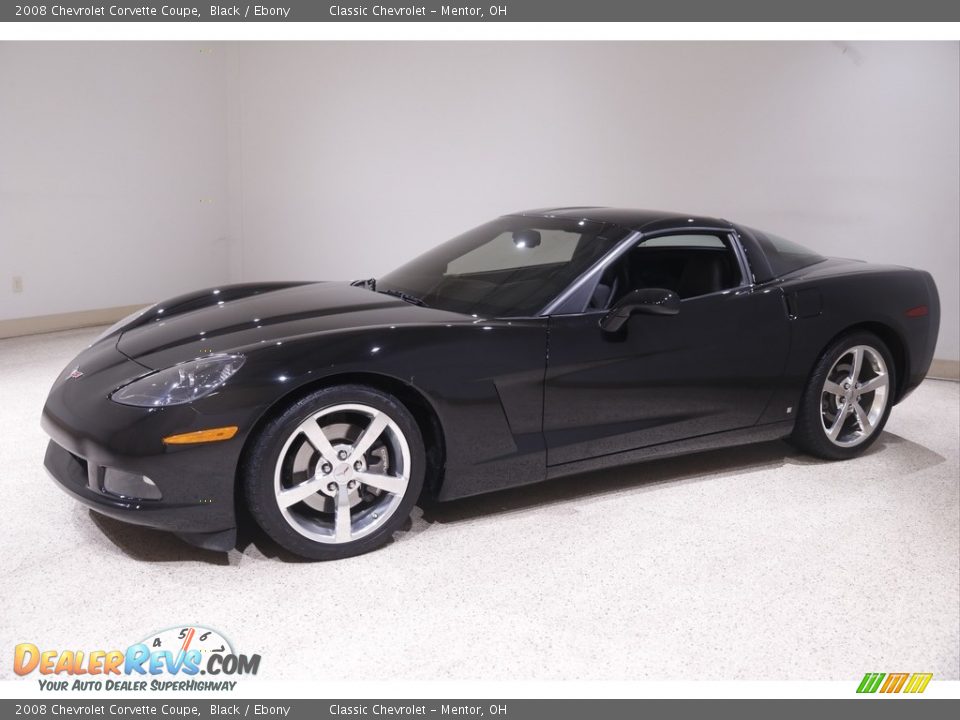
(172, 659)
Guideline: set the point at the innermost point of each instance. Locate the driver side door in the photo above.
(710, 368)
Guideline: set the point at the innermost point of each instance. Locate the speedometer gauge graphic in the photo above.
(192, 637)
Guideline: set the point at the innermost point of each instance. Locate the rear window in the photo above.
(784, 256)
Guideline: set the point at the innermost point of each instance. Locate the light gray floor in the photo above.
(749, 563)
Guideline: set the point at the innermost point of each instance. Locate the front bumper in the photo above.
(92, 435)
(189, 521)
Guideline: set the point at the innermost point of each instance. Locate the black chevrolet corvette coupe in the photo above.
(541, 344)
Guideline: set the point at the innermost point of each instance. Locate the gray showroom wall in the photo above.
(356, 156)
(133, 171)
(113, 173)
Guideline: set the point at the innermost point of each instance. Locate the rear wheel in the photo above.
(848, 398)
(337, 473)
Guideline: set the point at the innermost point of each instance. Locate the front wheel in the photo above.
(848, 398)
(336, 473)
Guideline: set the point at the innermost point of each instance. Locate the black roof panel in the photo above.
(647, 220)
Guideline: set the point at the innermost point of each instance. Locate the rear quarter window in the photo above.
(784, 256)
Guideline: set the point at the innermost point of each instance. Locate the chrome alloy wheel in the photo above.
(342, 473)
(854, 396)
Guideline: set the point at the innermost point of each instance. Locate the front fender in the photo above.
(483, 381)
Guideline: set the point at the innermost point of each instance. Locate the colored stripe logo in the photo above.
(894, 682)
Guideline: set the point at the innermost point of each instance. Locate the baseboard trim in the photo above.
(944, 370)
(64, 321)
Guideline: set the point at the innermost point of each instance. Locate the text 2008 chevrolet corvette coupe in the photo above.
(541, 344)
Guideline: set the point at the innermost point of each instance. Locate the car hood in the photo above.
(268, 317)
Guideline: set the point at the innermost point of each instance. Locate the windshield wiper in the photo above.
(412, 299)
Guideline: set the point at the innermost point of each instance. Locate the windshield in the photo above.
(512, 266)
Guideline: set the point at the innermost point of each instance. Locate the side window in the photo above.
(684, 241)
(689, 264)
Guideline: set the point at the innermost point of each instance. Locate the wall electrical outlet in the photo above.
(18, 283)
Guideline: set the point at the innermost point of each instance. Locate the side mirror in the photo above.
(650, 301)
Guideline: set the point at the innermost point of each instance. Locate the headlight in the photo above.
(181, 383)
(121, 323)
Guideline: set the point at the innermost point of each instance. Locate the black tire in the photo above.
(809, 433)
(258, 480)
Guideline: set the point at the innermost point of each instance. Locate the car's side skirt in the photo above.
(729, 438)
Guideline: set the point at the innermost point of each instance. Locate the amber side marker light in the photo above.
(918, 311)
(202, 436)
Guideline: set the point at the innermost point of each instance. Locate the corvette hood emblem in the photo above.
(76, 373)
